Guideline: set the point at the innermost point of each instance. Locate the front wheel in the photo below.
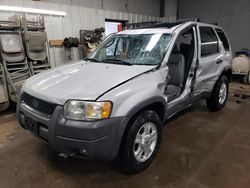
(141, 142)
(219, 94)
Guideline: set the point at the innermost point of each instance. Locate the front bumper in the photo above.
(96, 140)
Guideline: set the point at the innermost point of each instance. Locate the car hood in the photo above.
(83, 80)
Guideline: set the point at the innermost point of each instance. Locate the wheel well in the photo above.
(227, 73)
(158, 107)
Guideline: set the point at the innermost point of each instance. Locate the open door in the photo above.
(180, 64)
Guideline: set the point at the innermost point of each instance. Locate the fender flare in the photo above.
(145, 103)
(224, 72)
(227, 70)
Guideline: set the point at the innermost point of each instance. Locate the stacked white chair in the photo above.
(36, 44)
(14, 62)
(36, 48)
(23, 52)
(4, 98)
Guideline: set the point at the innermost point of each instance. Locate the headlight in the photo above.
(84, 110)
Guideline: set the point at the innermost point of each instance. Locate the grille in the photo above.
(39, 105)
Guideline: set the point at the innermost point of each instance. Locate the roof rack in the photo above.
(175, 23)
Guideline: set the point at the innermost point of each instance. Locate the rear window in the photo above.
(209, 41)
(223, 39)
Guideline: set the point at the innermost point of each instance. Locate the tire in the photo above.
(128, 160)
(215, 103)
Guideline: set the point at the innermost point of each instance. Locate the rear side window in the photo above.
(209, 41)
(223, 39)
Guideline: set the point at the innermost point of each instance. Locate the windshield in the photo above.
(137, 49)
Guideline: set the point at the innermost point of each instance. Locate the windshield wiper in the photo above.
(92, 59)
(118, 61)
(147, 64)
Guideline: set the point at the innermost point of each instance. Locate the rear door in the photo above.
(210, 58)
(225, 49)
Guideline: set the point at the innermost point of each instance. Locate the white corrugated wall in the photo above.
(77, 18)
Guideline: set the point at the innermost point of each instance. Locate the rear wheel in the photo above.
(219, 94)
(141, 143)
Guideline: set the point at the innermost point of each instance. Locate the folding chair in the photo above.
(36, 48)
(14, 62)
(4, 98)
(36, 44)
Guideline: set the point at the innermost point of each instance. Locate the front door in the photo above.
(181, 66)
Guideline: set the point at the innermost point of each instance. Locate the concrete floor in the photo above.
(199, 149)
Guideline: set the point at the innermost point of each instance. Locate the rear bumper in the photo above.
(97, 139)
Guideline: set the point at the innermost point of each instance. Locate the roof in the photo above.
(167, 27)
(147, 31)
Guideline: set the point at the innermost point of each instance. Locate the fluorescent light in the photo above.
(32, 10)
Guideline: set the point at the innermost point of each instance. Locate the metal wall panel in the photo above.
(77, 18)
(171, 9)
(148, 7)
(233, 16)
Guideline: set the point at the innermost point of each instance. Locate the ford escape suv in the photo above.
(114, 103)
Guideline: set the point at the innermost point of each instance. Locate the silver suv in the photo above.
(114, 103)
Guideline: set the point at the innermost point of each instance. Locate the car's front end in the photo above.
(82, 108)
(70, 135)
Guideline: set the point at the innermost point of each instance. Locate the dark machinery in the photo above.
(89, 40)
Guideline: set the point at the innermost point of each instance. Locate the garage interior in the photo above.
(200, 149)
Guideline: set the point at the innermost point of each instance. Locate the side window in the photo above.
(209, 41)
(223, 39)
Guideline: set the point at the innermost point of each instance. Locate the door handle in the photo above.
(219, 61)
